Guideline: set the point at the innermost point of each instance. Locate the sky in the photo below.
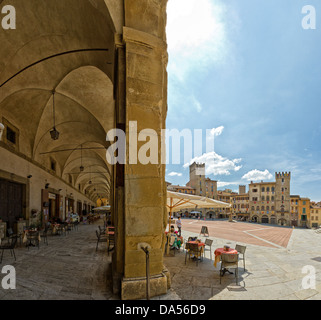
(249, 73)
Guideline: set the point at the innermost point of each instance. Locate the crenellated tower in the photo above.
(282, 192)
(197, 178)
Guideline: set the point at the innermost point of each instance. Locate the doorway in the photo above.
(11, 199)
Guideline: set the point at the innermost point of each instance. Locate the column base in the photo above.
(135, 288)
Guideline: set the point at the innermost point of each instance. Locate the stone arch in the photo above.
(255, 218)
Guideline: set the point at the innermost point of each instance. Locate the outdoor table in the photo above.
(200, 244)
(55, 228)
(219, 251)
(29, 236)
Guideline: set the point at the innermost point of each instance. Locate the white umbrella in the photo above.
(103, 208)
(185, 201)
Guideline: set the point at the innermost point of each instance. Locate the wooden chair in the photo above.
(9, 246)
(229, 261)
(195, 250)
(241, 249)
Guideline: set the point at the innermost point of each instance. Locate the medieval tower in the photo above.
(282, 192)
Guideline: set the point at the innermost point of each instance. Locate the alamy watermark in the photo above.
(8, 17)
(8, 281)
(309, 21)
(309, 281)
(151, 147)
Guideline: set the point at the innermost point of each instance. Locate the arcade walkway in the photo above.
(69, 268)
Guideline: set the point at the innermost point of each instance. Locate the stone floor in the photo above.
(270, 273)
(69, 268)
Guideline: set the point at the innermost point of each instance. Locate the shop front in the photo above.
(52, 205)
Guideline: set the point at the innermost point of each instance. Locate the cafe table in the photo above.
(219, 251)
(31, 235)
(55, 228)
(200, 244)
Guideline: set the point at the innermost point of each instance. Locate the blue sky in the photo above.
(249, 68)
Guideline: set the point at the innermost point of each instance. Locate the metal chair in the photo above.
(9, 246)
(208, 242)
(44, 235)
(241, 249)
(12, 234)
(76, 223)
(102, 230)
(33, 239)
(100, 238)
(229, 261)
(110, 241)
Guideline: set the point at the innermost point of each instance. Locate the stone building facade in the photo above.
(269, 202)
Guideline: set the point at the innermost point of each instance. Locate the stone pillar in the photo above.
(144, 212)
(118, 183)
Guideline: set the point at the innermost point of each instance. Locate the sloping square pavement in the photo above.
(271, 273)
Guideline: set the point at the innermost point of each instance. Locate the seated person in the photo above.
(175, 241)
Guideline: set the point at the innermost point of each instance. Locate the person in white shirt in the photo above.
(179, 226)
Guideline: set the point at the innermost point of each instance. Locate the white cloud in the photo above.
(197, 105)
(255, 175)
(196, 34)
(216, 164)
(221, 184)
(216, 131)
(173, 174)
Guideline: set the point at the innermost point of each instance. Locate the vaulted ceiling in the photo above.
(67, 47)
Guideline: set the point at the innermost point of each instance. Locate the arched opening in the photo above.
(255, 219)
(72, 67)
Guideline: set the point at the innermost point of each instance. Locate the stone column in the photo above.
(144, 184)
(118, 183)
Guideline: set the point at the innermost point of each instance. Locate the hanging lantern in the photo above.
(54, 133)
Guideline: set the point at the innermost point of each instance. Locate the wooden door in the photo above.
(11, 202)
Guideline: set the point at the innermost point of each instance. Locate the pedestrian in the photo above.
(179, 226)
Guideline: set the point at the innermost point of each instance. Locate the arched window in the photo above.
(262, 208)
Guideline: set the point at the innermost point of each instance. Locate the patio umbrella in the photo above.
(103, 208)
(185, 201)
